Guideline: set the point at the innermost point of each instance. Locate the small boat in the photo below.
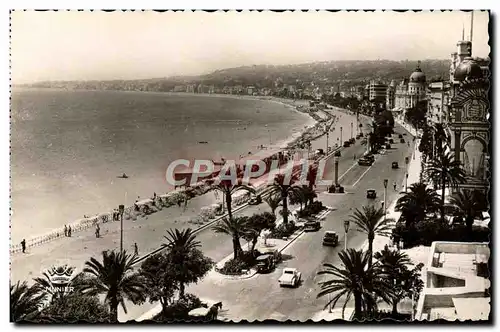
(203, 142)
(123, 176)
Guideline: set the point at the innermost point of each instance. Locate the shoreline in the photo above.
(173, 196)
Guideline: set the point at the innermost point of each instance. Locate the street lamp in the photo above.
(121, 209)
(406, 182)
(351, 130)
(346, 229)
(386, 181)
(341, 141)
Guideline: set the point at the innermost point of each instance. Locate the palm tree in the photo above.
(284, 190)
(441, 138)
(297, 197)
(274, 201)
(465, 204)
(228, 189)
(236, 228)
(180, 245)
(25, 302)
(394, 263)
(372, 222)
(355, 278)
(449, 171)
(417, 203)
(114, 277)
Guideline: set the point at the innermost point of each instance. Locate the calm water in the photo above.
(68, 147)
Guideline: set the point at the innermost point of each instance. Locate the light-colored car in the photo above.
(290, 277)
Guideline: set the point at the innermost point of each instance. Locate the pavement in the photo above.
(260, 297)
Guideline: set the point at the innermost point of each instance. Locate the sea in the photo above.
(69, 147)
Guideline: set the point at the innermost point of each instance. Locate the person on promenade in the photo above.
(395, 186)
(23, 245)
(69, 231)
(136, 249)
(65, 230)
(136, 206)
(97, 231)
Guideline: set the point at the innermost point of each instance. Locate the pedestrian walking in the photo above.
(97, 231)
(23, 245)
(395, 186)
(69, 231)
(65, 230)
(136, 249)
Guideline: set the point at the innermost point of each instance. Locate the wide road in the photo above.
(260, 297)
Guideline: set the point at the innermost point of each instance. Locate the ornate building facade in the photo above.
(469, 107)
(410, 91)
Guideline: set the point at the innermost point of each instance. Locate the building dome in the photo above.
(468, 69)
(417, 76)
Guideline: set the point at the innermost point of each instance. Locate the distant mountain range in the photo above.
(329, 73)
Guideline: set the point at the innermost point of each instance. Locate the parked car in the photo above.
(402, 140)
(337, 154)
(395, 165)
(400, 136)
(320, 152)
(312, 226)
(346, 144)
(371, 193)
(255, 200)
(290, 277)
(330, 239)
(365, 162)
(265, 263)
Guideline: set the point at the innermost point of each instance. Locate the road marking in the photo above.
(347, 170)
(355, 183)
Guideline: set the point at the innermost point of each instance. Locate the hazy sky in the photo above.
(98, 45)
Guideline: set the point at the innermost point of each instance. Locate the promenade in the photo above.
(147, 232)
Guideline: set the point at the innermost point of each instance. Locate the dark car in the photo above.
(265, 263)
(369, 157)
(346, 144)
(312, 226)
(402, 140)
(255, 200)
(337, 154)
(395, 165)
(400, 136)
(330, 239)
(391, 141)
(371, 193)
(365, 162)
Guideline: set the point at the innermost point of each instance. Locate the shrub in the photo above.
(179, 309)
(283, 230)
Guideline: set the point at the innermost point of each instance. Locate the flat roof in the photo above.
(477, 308)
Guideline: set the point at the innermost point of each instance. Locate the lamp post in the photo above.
(406, 182)
(327, 135)
(121, 209)
(386, 181)
(351, 130)
(341, 141)
(346, 229)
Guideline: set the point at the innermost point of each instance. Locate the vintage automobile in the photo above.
(391, 141)
(346, 144)
(290, 277)
(265, 263)
(400, 136)
(395, 165)
(255, 200)
(337, 154)
(330, 239)
(364, 162)
(371, 193)
(312, 225)
(369, 157)
(402, 140)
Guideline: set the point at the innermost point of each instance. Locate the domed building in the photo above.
(410, 91)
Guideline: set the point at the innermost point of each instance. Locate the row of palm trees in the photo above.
(115, 280)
